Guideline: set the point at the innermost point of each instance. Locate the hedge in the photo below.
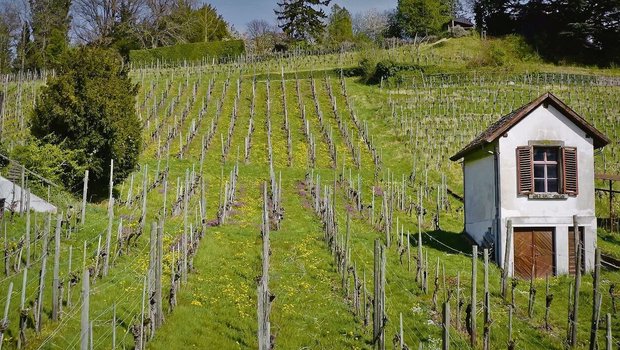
(188, 52)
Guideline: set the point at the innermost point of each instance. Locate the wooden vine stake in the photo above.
(509, 233)
(511, 342)
(548, 300)
(84, 196)
(39, 304)
(108, 238)
(487, 304)
(608, 337)
(474, 281)
(5, 320)
(56, 281)
(159, 309)
(264, 296)
(84, 320)
(23, 313)
(596, 299)
(446, 325)
(379, 316)
(572, 341)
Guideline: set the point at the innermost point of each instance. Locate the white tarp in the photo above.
(12, 193)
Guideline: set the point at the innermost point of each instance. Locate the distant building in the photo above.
(461, 22)
(534, 167)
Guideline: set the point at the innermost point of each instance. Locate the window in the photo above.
(547, 170)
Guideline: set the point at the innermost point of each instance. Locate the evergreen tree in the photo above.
(300, 19)
(5, 46)
(89, 108)
(50, 24)
(23, 51)
(9, 29)
(340, 26)
(585, 31)
(123, 37)
(494, 17)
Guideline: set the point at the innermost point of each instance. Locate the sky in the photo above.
(240, 12)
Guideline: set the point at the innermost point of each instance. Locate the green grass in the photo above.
(415, 127)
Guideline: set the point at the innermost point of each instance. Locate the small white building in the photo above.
(535, 168)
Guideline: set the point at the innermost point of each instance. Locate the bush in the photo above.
(387, 69)
(88, 108)
(458, 32)
(53, 162)
(507, 51)
(189, 52)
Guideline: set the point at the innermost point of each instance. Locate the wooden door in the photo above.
(572, 250)
(533, 252)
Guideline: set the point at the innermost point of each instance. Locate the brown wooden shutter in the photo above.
(570, 183)
(525, 171)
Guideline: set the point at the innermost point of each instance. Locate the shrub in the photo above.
(53, 162)
(507, 51)
(190, 52)
(88, 107)
(387, 69)
(459, 32)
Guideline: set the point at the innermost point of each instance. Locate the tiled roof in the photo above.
(506, 122)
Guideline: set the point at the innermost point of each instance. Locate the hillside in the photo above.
(215, 134)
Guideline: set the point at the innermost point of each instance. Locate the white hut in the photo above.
(535, 168)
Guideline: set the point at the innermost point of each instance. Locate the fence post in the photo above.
(27, 242)
(5, 320)
(379, 297)
(596, 299)
(474, 281)
(84, 196)
(609, 338)
(507, 251)
(84, 323)
(108, 238)
(487, 303)
(446, 325)
(574, 315)
(114, 327)
(39, 304)
(56, 281)
(23, 313)
(159, 311)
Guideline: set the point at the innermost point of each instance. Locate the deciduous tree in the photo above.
(339, 26)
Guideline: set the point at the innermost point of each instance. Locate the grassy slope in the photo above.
(217, 306)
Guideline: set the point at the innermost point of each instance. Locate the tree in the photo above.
(49, 22)
(584, 31)
(88, 107)
(9, 30)
(372, 23)
(169, 22)
(262, 35)
(339, 26)
(421, 17)
(300, 20)
(494, 16)
(207, 25)
(24, 49)
(106, 22)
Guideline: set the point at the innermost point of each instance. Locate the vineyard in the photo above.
(279, 201)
